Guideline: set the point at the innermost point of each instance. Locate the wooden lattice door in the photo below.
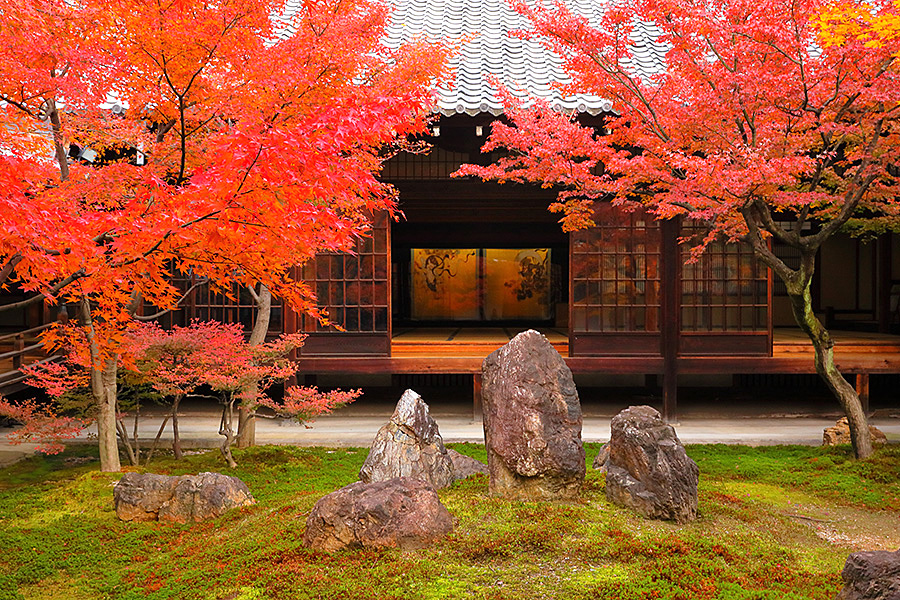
(354, 289)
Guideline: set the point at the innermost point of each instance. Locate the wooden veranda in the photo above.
(461, 350)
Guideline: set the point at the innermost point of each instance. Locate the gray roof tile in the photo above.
(525, 67)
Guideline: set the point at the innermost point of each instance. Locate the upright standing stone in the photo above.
(532, 421)
(648, 469)
(410, 445)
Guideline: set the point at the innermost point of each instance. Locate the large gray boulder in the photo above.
(871, 576)
(410, 445)
(532, 421)
(399, 513)
(179, 499)
(648, 470)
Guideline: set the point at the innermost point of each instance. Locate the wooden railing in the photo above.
(23, 343)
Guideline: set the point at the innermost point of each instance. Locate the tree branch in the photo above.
(51, 292)
(177, 304)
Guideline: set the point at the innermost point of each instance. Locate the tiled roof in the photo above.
(523, 66)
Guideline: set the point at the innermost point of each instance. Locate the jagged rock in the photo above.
(840, 434)
(871, 576)
(532, 421)
(151, 497)
(602, 457)
(465, 466)
(399, 513)
(410, 445)
(648, 469)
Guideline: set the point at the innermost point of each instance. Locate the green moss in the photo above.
(831, 473)
(59, 536)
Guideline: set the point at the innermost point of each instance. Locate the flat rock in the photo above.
(532, 421)
(840, 434)
(409, 445)
(465, 466)
(179, 499)
(871, 576)
(139, 496)
(648, 469)
(402, 513)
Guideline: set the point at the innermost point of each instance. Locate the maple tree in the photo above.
(179, 362)
(174, 363)
(753, 125)
(228, 140)
(875, 25)
(241, 373)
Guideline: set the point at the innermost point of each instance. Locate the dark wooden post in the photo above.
(670, 326)
(18, 346)
(862, 389)
(883, 286)
(477, 412)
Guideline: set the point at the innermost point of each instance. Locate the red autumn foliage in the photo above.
(304, 404)
(40, 424)
(176, 363)
(754, 124)
(245, 137)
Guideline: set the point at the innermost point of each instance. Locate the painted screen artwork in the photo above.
(481, 284)
(517, 284)
(445, 284)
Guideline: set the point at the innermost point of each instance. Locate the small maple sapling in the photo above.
(173, 363)
(241, 373)
(177, 363)
(41, 424)
(753, 125)
(231, 141)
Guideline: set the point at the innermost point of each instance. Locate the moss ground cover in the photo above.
(775, 523)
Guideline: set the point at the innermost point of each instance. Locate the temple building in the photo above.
(470, 264)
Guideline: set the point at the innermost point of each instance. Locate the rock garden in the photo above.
(532, 514)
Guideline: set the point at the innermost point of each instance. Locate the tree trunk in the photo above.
(226, 429)
(59, 145)
(246, 435)
(103, 388)
(156, 440)
(263, 316)
(176, 439)
(823, 345)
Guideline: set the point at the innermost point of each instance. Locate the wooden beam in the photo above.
(477, 406)
(671, 294)
(862, 390)
(883, 285)
(869, 362)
